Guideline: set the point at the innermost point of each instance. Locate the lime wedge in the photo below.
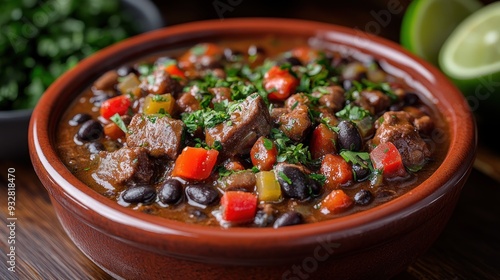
(427, 23)
(471, 54)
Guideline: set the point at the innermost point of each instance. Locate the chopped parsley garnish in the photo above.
(205, 118)
(202, 144)
(353, 113)
(369, 85)
(268, 144)
(158, 98)
(360, 158)
(208, 117)
(284, 177)
(320, 178)
(199, 49)
(290, 152)
(119, 122)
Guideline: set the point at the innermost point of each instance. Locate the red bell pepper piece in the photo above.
(280, 82)
(387, 158)
(195, 163)
(115, 105)
(238, 206)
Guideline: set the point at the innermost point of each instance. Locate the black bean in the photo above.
(360, 172)
(255, 50)
(411, 98)
(349, 137)
(396, 106)
(263, 218)
(125, 70)
(363, 197)
(315, 187)
(362, 76)
(139, 194)
(170, 192)
(292, 60)
(232, 55)
(294, 183)
(95, 147)
(79, 119)
(289, 218)
(202, 194)
(99, 97)
(90, 130)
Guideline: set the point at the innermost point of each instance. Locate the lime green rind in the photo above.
(407, 25)
(465, 55)
(427, 23)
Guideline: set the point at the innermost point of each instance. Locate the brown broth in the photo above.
(82, 164)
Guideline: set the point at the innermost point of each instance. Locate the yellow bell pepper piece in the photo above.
(268, 187)
(159, 104)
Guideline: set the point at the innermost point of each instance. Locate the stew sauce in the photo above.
(259, 132)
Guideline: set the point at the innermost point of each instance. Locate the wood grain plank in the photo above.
(43, 249)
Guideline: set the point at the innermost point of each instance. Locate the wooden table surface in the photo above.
(469, 247)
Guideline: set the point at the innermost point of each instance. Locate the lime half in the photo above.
(471, 54)
(427, 23)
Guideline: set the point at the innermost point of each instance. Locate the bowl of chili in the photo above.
(159, 143)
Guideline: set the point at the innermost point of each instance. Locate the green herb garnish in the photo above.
(119, 122)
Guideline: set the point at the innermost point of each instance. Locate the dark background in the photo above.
(353, 13)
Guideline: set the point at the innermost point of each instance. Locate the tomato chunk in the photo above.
(195, 163)
(336, 202)
(336, 170)
(323, 141)
(305, 54)
(387, 158)
(115, 105)
(113, 131)
(238, 206)
(200, 54)
(280, 82)
(174, 71)
(263, 154)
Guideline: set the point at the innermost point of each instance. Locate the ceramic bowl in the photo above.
(374, 244)
(14, 123)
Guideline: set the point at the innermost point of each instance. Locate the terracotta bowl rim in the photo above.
(75, 193)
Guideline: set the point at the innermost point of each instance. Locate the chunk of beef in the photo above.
(422, 121)
(159, 135)
(187, 103)
(122, 166)
(374, 101)
(249, 121)
(276, 114)
(160, 82)
(295, 100)
(296, 123)
(107, 81)
(240, 181)
(332, 98)
(220, 94)
(398, 128)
